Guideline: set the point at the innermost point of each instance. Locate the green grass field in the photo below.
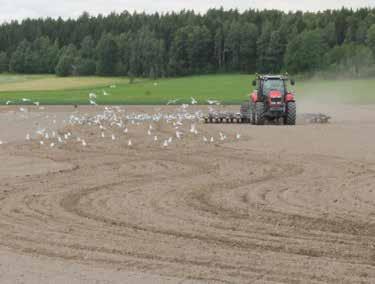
(229, 89)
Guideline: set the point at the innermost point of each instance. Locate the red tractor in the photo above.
(271, 102)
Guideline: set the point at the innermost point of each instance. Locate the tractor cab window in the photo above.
(273, 85)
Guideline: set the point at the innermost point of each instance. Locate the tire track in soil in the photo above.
(223, 225)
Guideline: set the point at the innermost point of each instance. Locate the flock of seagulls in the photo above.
(114, 123)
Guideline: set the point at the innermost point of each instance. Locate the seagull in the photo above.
(79, 139)
(113, 137)
(126, 130)
(103, 135)
(205, 139)
(36, 103)
(1, 142)
(170, 140)
(172, 102)
(28, 137)
(238, 136)
(178, 134)
(149, 133)
(213, 102)
(130, 143)
(155, 138)
(84, 144)
(52, 145)
(112, 86)
(222, 137)
(26, 100)
(105, 93)
(41, 142)
(8, 102)
(92, 102)
(212, 140)
(59, 139)
(46, 136)
(165, 144)
(192, 128)
(92, 96)
(193, 101)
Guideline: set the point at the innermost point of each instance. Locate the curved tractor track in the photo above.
(230, 212)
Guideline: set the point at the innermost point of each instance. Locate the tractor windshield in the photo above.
(270, 85)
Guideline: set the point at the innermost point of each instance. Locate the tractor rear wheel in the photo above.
(252, 112)
(291, 113)
(245, 112)
(259, 113)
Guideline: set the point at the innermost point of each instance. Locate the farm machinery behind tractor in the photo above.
(271, 102)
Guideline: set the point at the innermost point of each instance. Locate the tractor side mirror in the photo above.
(254, 83)
(292, 82)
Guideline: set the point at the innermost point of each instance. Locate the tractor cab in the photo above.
(272, 83)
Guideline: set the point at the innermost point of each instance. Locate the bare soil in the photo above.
(279, 205)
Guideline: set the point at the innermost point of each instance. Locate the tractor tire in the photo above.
(291, 113)
(252, 112)
(245, 112)
(259, 114)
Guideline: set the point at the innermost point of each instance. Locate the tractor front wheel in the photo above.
(291, 113)
(259, 113)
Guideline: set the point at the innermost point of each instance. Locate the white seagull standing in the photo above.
(193, 101)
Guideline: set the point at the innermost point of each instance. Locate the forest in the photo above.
(188, 43)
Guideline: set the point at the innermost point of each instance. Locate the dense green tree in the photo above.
(4, 63)
(85, 66)
(248, 47)
(199, 49)
(350, 59)
(371, 38)
(305, 52)
(184, 43)
(87, 48)
(18, 59)
(107, 54)
(219, 50)
(66, 65)
(44, 56)
(263, 44)
(124, 52)
(274, 53)
(233, 46)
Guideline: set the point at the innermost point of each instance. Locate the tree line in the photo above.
(187, 43)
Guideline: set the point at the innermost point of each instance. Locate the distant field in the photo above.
(229, 89)
(13, 83)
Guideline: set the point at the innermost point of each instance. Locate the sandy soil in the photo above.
(279, 205)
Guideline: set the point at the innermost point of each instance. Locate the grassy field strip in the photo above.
(13, 79)
(229, 89)
(52, 83)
